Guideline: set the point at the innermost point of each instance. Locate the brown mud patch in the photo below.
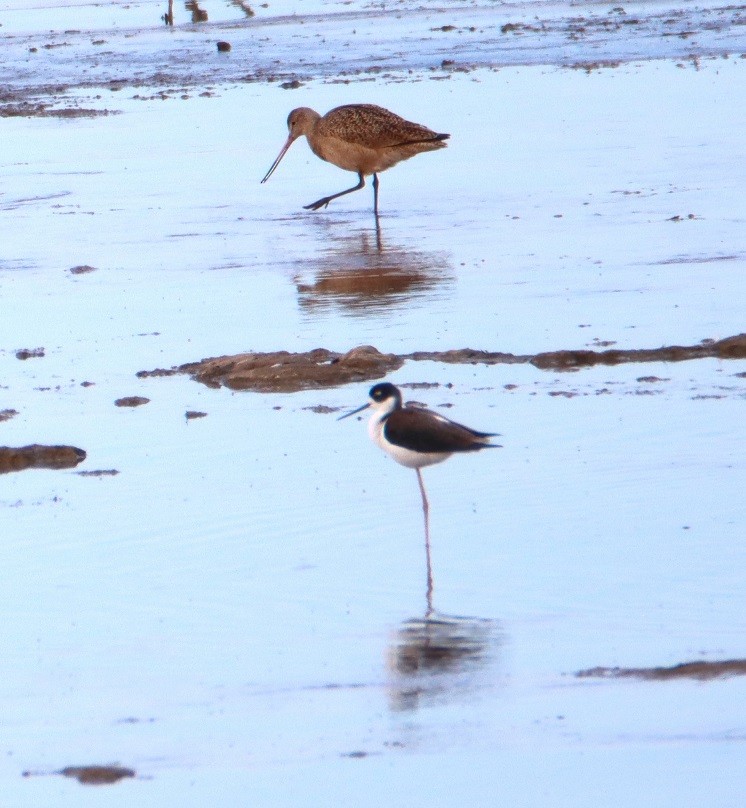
(729, 348)
(95, 775)
(702, 671)
(282, 371)
(6, 415)
(29, 353)
(26, 109)
(39, 457)
(131, 401)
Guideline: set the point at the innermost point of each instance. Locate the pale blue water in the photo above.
(238, 611)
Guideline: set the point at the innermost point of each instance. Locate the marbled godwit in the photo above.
(362, 138)
(416, 437)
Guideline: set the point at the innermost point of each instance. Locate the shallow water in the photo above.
(241, 609)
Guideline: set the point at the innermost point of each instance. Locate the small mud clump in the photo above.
(95, 775)
(131, 401)
(29, 353)
(39, 457)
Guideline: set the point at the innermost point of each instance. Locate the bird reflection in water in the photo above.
(439, 657)
(198, 14)
(359, 274)
(192, 6)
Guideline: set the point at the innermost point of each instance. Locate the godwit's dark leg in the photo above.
(322, 203)
(426, 514)
(375, 194)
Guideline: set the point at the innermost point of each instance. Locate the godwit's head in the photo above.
(300, 122)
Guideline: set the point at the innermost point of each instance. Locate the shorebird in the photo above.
(416, 437)
(362, 138)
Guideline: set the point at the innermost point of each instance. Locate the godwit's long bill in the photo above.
(363, 138)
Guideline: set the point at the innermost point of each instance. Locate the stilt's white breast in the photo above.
(406, 457)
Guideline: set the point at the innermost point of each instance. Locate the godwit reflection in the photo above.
(359, 274)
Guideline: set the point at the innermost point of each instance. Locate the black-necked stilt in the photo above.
(416, 437)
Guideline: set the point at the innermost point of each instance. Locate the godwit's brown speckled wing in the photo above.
(374, 127)
(422, 430)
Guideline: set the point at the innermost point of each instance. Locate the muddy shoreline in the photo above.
(283, 371)
(176, 62)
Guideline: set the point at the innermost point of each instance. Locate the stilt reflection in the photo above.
(440, 657)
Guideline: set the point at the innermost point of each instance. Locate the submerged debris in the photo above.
(39, 457)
